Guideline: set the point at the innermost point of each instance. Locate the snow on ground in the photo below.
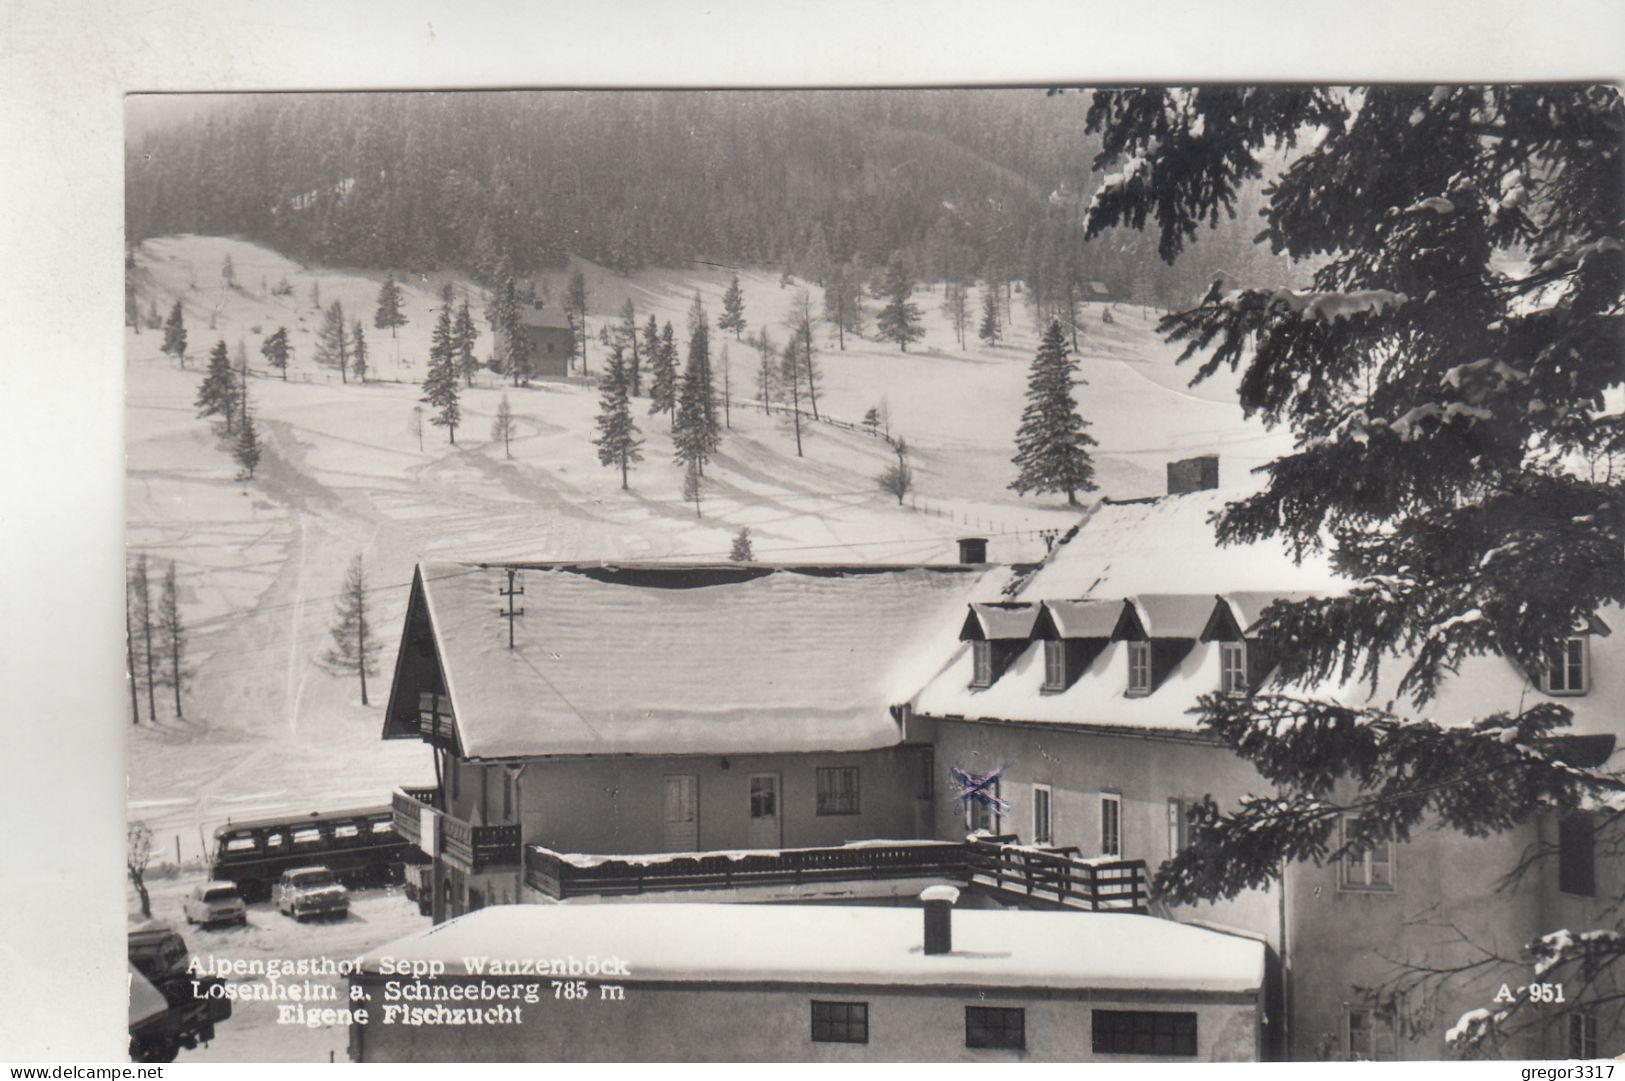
(344, 472)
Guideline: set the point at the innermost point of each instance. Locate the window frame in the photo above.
(1047, 835)
(830, 800)
(1114, 800)
(1347, 881)
(1139, 664)
(1379, 1027)
(1233, 669)
(1582, 1034)
(981, 663)
(975, 808)
(1179, 830)
(1054, 665)
(840, 1030)
(1575, 666)
(984, 1036)
(1108, 1027)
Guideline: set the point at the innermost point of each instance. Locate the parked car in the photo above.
(169, 1008)
(215, 902)
(310, 891)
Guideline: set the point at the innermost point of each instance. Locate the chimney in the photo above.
(973, 549)
(1193, 474)
(939, 908)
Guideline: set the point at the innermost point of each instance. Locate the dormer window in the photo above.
(1054, 665)
(1566, 668)
(982, 664)
(1233, 667)
(1139, 668)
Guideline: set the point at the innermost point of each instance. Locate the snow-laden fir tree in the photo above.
(464, 334)
(388, 315)
(503, 426)
(358, 353)
(333, 341)
(276, 351)
(700, 365)
(990, 330)
(692, 442)
(217, 395)
(175, 334)
(899, 320)
(1447, 381)
(663, 384)
(172, 633)
(1052, 447)
(790, 377)
(627, 333)
(741, 552)
(617, 440)
(733, 309)
(245, 448)
(651, 350)
(355, 648)
(440, 381)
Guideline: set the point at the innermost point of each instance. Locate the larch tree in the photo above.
(276, 351)
(358, 353)
(663, 384)
(503, 427)
(801, 329)
(1446, 382)
(218, 394)
(440, 381)
(139, 592)
(897, 479)
(355, 648)
(766, 371)
(175, 334)
(899, 320)
(733, 309)
(464, 334)
(1052, 446)
(956, 306)
(173, 636)
(617, 440)
(333, 341)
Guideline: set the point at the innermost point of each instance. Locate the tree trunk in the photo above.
(141, 892)
(361, 652)
(175, 665)
(623, 473)
(129, 662)
(152, 695)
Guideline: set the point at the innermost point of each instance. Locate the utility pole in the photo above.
(511, 592)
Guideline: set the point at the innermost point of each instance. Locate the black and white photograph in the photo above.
(1074, 570)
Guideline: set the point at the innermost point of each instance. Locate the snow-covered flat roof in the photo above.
(640, 660)
(842, 944)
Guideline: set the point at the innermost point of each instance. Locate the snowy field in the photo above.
(259, 563)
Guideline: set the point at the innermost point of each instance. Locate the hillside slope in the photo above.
(259, 563)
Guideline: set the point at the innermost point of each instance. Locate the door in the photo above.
(682, 827)
(765, 829)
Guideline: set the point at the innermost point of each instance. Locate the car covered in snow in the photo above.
(310, 891)
(215, 902)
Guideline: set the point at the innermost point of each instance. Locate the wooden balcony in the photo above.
(408, 805)
(478, 848)
(473, 848)
(1058, 876)
(1046, 877)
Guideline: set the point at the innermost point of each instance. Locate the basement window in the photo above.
(996, 1026)
(840, 1022)
(1143, 1032)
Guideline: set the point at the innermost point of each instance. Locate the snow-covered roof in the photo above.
(1248, 605)
(543, 317)
(1004, 621)
(668, 659)
(1173, 615)
(1085, 619)
(847, 944)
